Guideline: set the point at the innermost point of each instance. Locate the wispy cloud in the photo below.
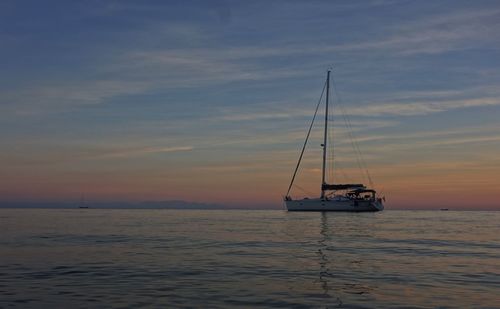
(133, 152)
(140, 70)
(420, 108)
(56, 96)
(58, 155)
(411, 104)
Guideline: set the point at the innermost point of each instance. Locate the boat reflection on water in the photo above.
(337, 262)
(324, 271)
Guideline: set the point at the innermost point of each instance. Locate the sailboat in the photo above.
(351, 197)
(82, 202)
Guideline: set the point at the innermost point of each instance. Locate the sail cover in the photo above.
(327, 186)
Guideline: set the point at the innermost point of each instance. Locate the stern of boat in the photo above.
(378, 205)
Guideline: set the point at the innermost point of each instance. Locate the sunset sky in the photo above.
(209, 101)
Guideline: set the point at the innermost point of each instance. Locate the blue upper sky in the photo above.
(137, 100)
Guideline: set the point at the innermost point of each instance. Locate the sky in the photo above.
(209, 101)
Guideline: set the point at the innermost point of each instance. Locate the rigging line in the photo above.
(333, 164)
(382, 192)
(303, 190)
(351, 135)
(305, 142)
(331, 141)
(351, 138)
(359, 154)
(358, 151)
(331, 157)
(332, 149)
(363, 162)
(347, 178)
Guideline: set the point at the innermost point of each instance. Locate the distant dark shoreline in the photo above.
(131, 205)
(138, 206)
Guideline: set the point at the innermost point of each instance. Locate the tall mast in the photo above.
(323, 181)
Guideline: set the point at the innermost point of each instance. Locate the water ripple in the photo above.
(271, 259)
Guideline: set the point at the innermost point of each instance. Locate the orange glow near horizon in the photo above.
(424, 186)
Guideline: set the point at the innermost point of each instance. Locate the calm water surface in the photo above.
(189, 258)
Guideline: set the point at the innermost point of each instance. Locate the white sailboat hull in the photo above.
(333, 205)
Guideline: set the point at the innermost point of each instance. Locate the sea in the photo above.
(156, 258)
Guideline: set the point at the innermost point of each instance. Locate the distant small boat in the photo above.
(353, 197)
(444, 209)
(82, 203)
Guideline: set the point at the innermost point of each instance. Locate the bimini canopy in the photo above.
(364, 191)
(349, 186)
